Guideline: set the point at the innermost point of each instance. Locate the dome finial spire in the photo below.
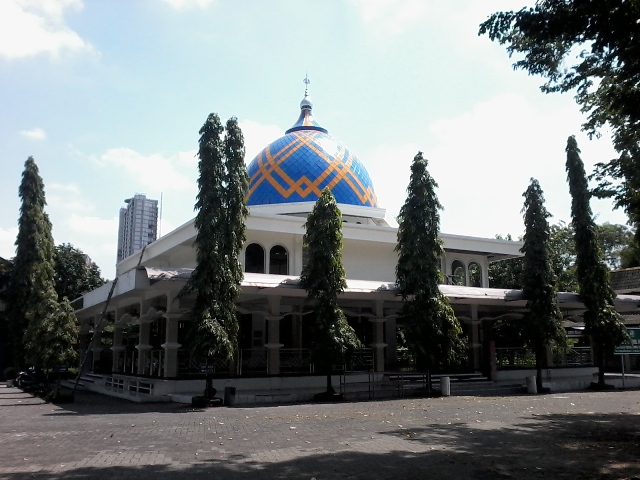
(306, 120)
(306, 104)
(306, 84)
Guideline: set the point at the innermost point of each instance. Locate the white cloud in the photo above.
(62, 187)
(154, 172)
(483, 160)
(34, 134)
(180, 4)
(32, 27)
(391, 16)
(91, 225)
(257, 136)
(7, 242)
(389, 169)
(95, 236)
(67, 198)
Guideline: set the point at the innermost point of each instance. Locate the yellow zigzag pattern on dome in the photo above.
(304, 186)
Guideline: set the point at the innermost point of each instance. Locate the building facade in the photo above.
(138, 226)
(140, 321)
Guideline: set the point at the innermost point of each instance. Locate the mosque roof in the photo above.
(305, 161)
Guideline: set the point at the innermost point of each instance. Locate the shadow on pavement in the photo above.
(565, 447)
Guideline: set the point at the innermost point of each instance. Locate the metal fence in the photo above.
(574, 357)
(255, 362)
(513, 358)
(296, 360)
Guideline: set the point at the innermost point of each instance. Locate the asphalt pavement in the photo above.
(571, 435)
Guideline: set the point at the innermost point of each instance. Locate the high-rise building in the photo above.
(138, 225)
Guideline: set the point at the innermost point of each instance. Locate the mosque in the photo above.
(134, 327)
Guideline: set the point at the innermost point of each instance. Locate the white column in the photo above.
(476, 346)
(171, 344)
(378, 345)
(273, 344)
(118, 347)
(144, 339)
(96, 343)
(83, 344)
(391, 352)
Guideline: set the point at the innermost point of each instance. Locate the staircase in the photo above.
(402, 384)
(85, 382)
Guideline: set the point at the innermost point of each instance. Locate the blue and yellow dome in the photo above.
(298, 166)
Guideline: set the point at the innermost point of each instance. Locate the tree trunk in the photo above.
(600, 364)
(208, 391)
(539, 353)
(330, 389)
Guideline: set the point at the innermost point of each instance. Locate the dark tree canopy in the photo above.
(543, 323)
(433, 331)
(614, 241)
(75, 273)
(590, 47)
(236, 184)
(220, 217)
(601, 320)
(6, 266)
(31, 287)
(51, 341)
(506, 273)
(323, 277)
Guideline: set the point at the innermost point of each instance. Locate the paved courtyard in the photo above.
(561, 436)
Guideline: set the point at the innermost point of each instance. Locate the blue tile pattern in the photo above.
(299, 165)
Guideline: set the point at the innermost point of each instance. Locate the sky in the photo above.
(108, 97)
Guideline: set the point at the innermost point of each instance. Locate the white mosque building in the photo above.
(137, 348)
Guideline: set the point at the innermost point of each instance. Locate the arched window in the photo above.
(279, 260)
(254, 259)
(475, 275)
(458, 273)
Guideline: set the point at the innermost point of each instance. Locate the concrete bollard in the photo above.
(445, 386)
(532, 386)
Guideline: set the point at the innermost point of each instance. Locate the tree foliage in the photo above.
(433, 331)
(590, 46)
(323, 277)
(220, 222)
(50, 341)
(74, 274)
(31, 287)
(543, 322)
(506, 273)
(614, 241)
(602, 321)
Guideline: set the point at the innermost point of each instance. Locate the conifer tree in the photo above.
(324, 279)
(602, 321)
(31, 291)
(220, 225)
(50, 341)
(543, 322)
(236, 186)
(433, 331)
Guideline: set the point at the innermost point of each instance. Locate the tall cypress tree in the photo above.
(433, 331)
(31, 292)
(601, 320)
(52, 336)
(220, 225)
(543, 322)
(236, 184)
(324, 279)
